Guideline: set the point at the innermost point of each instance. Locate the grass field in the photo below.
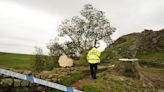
(12, 60)
(152, 56)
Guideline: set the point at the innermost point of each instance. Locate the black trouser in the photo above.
(93, 68)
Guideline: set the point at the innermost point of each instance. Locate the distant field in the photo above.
(15, 60)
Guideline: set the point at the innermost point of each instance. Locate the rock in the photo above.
(25, 89)
(27, 72)
(11, 69)
(5, 76)
(55, 75)
(54, 79)
(59, 80)
(24, 83)
(48, 79)
(32, 84)
(18, 90)
(37, 76)
(6, 82)
(44, 74)
(17, 83)
(1, 77)
(40, 88)
(50, 76)
(151, 41)
(64, 61)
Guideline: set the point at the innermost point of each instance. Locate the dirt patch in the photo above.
(80, 83)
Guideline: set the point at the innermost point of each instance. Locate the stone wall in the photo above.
(10, 84)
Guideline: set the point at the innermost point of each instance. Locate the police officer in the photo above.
(93, 58)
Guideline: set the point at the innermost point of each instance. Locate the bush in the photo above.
(39, 63)
(54, 60)
(42, 62)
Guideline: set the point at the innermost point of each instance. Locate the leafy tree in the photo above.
(83, 31)
(56, 50)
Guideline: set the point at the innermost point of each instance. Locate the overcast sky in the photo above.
(28, 23)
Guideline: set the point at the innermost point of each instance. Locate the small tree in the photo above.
(39, 62)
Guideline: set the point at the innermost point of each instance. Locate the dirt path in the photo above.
(80, 83)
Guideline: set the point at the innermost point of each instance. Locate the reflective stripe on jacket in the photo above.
(93, 56)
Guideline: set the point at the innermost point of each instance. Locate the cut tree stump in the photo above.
(128, 67)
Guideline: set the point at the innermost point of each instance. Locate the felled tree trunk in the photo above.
(128, 68)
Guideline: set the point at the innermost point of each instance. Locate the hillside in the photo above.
(145, 45)
(148, 46)
(13, 60)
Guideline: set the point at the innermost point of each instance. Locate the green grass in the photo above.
(129, 39)
(67, 80)
(108, 82)
(120, 46)
(154, 70)
(151, 56)
(11, 60)
(96, 86)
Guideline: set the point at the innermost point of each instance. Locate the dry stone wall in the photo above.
(10, 84)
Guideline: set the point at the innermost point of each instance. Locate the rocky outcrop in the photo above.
(128, 46)
(151, 41)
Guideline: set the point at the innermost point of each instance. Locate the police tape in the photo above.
(126, 59)
(38, 81)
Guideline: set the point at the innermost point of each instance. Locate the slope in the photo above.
(13, 60)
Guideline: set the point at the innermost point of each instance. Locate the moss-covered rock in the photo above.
(17, 83)
(7, 82)
(41, 88)
(24, 83)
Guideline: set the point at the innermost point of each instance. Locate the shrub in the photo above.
(42, 62)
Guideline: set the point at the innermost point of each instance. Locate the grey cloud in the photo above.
(61, 8)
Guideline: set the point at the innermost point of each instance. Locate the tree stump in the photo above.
(128, 67)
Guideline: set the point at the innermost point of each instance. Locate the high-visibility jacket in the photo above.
(93, 56)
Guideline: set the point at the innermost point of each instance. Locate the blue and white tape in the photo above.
(38, 81)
